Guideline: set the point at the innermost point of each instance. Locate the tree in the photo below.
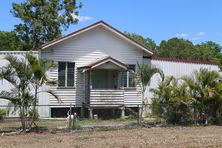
(185, 49)
(43, 20)
(212, 46)
(144, 75)
(18, 74)
(39, 68)
(147, 42)
(171, 101)
(25, 75)
(205, 90)
(189, 98)
(175, 48)
(9, 41)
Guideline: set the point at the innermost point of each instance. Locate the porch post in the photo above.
(90, 113)
(122, 112)
(82, 112)
(140, 110)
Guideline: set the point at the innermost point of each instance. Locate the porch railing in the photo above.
(108, 98)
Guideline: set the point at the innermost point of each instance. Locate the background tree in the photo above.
(175, 48)
(147, 42)
(185, 49)
(10, 41)
(43, 20)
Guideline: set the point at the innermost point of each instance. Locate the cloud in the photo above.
(192, 37)
(182, 35)
(82, 18)
(201, 33)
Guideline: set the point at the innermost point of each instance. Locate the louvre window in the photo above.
(66, 71)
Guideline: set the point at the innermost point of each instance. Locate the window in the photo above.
(131, 76)
(66, 71)
(123, 79)
(127, 78)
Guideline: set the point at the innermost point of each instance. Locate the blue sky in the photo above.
(196, 20)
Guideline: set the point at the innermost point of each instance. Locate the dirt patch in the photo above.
(153, 137)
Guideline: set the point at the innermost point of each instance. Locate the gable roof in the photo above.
(100, 23)
(104, 60)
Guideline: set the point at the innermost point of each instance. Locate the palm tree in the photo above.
(177, 100)
(171, 101)
(26, 74)
(143, 74)
(39, 68)
(18, 74)
(204, 88)
(161, 96)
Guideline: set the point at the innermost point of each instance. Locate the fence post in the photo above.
(123, 112)
(74, 118)
(91, 113)
(138, 114)
(70, 114)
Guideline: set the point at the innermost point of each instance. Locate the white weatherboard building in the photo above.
(94, 72)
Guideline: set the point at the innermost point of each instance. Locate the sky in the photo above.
(196, 20)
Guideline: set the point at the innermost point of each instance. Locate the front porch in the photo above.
(110, 84)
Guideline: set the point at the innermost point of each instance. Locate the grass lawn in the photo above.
(210, 136)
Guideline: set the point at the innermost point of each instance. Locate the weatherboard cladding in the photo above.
(87, 48)
(100, 23)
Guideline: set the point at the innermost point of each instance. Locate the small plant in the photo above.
(34, 112)
(2, 114)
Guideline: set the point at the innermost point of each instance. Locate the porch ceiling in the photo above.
(105, 63)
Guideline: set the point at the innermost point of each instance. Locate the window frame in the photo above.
(128, 75)
(66, 74)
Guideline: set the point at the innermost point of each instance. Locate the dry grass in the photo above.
(52, 123)
(14, 125)
(154, 137)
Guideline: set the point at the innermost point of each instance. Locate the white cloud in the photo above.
(182, 35)
(201, 33)
(192, 37)
(82, 18)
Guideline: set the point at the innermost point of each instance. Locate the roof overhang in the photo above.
(100, 23)
(99, 64)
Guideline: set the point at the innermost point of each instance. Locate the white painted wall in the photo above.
(172, 68)
(88, 47)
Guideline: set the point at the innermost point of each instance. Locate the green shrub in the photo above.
(189, 99)
(34, 112)
(2, 112)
